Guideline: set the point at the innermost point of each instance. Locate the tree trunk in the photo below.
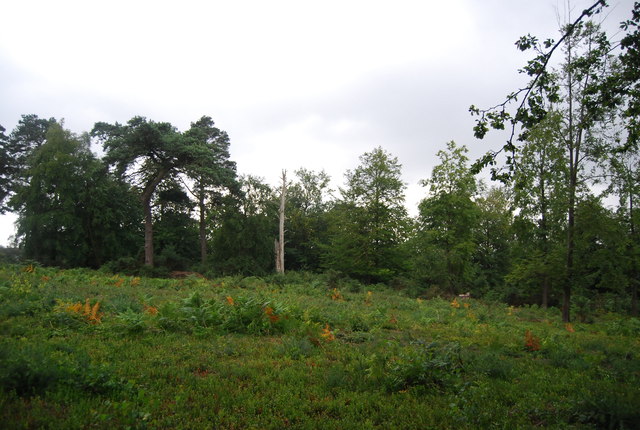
(276, 249)
(566, 302)
(544, 236)
(280, 241)
(634, 263)
(148, 220)
(634, 294)
(202, 228)
(148, 234)
(572, 148)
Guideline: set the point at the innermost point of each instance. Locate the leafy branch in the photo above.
(530, 111)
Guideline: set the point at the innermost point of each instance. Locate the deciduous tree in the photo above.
(308, 204)
(445, 242)
(370, 222)
(71, 212)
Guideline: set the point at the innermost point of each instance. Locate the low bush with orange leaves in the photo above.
(90, 313)
(336, 295)
(531, 342)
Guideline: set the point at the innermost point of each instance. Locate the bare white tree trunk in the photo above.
(279, 243)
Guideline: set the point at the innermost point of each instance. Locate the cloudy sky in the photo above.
(295, 83)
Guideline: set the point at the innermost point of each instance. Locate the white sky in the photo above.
(295, 83)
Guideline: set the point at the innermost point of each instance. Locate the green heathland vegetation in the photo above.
(89, 349)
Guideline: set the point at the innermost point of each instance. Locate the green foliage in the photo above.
(623, 327)
(298, 348)
(247, 352)
(444, 245)
(493, 236)
(612, 407)
(32, 370)
(131, 322)
(564, 125)
(243, 243)
(213, 174)
(494, 365)
(175, 230)
(369, 225)
(426, 366)
(53, 227)
(306, 220)
(15, 151)
(601, 264)
(199, 312)
(148, 153)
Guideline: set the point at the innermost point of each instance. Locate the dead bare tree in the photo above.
(279, 243)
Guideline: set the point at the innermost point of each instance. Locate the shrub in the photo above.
(200, 313)
(124, 265)
(358, 323)
(34, 369)
(29, 370)
(561, 355)
(131, 322)
(296, 348)
(609, 406)
(122, 302)
(623, 327)
(255, 316)
(427, 366)
(493, 365)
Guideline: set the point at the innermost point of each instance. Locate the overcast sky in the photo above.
(298, 83)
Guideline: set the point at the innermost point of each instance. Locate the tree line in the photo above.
(561, 229)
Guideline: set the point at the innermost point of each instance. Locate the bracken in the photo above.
(532, 342)
(327, 334)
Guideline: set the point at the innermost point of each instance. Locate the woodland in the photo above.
(558, 227)
(152, 286)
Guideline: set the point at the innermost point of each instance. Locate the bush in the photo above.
(131, 322)
(427, 366)
(124, 265)
(30, 370)
(623, 327)
(609, 407)
(296, 348)
(358, 323)
(199, 312)
(255, 316)
(493, 365)
(122, 302)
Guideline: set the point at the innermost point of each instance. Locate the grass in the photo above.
(84, 349)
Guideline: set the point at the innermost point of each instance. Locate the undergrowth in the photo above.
(80, 349)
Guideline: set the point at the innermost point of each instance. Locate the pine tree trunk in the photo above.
(148, 235)
(280, 242)
(148, 219)
(202, 228)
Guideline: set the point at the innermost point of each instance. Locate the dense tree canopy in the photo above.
(446, 240)
(561, 230)
(585, 93)
(370, 222)
(72, 212)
